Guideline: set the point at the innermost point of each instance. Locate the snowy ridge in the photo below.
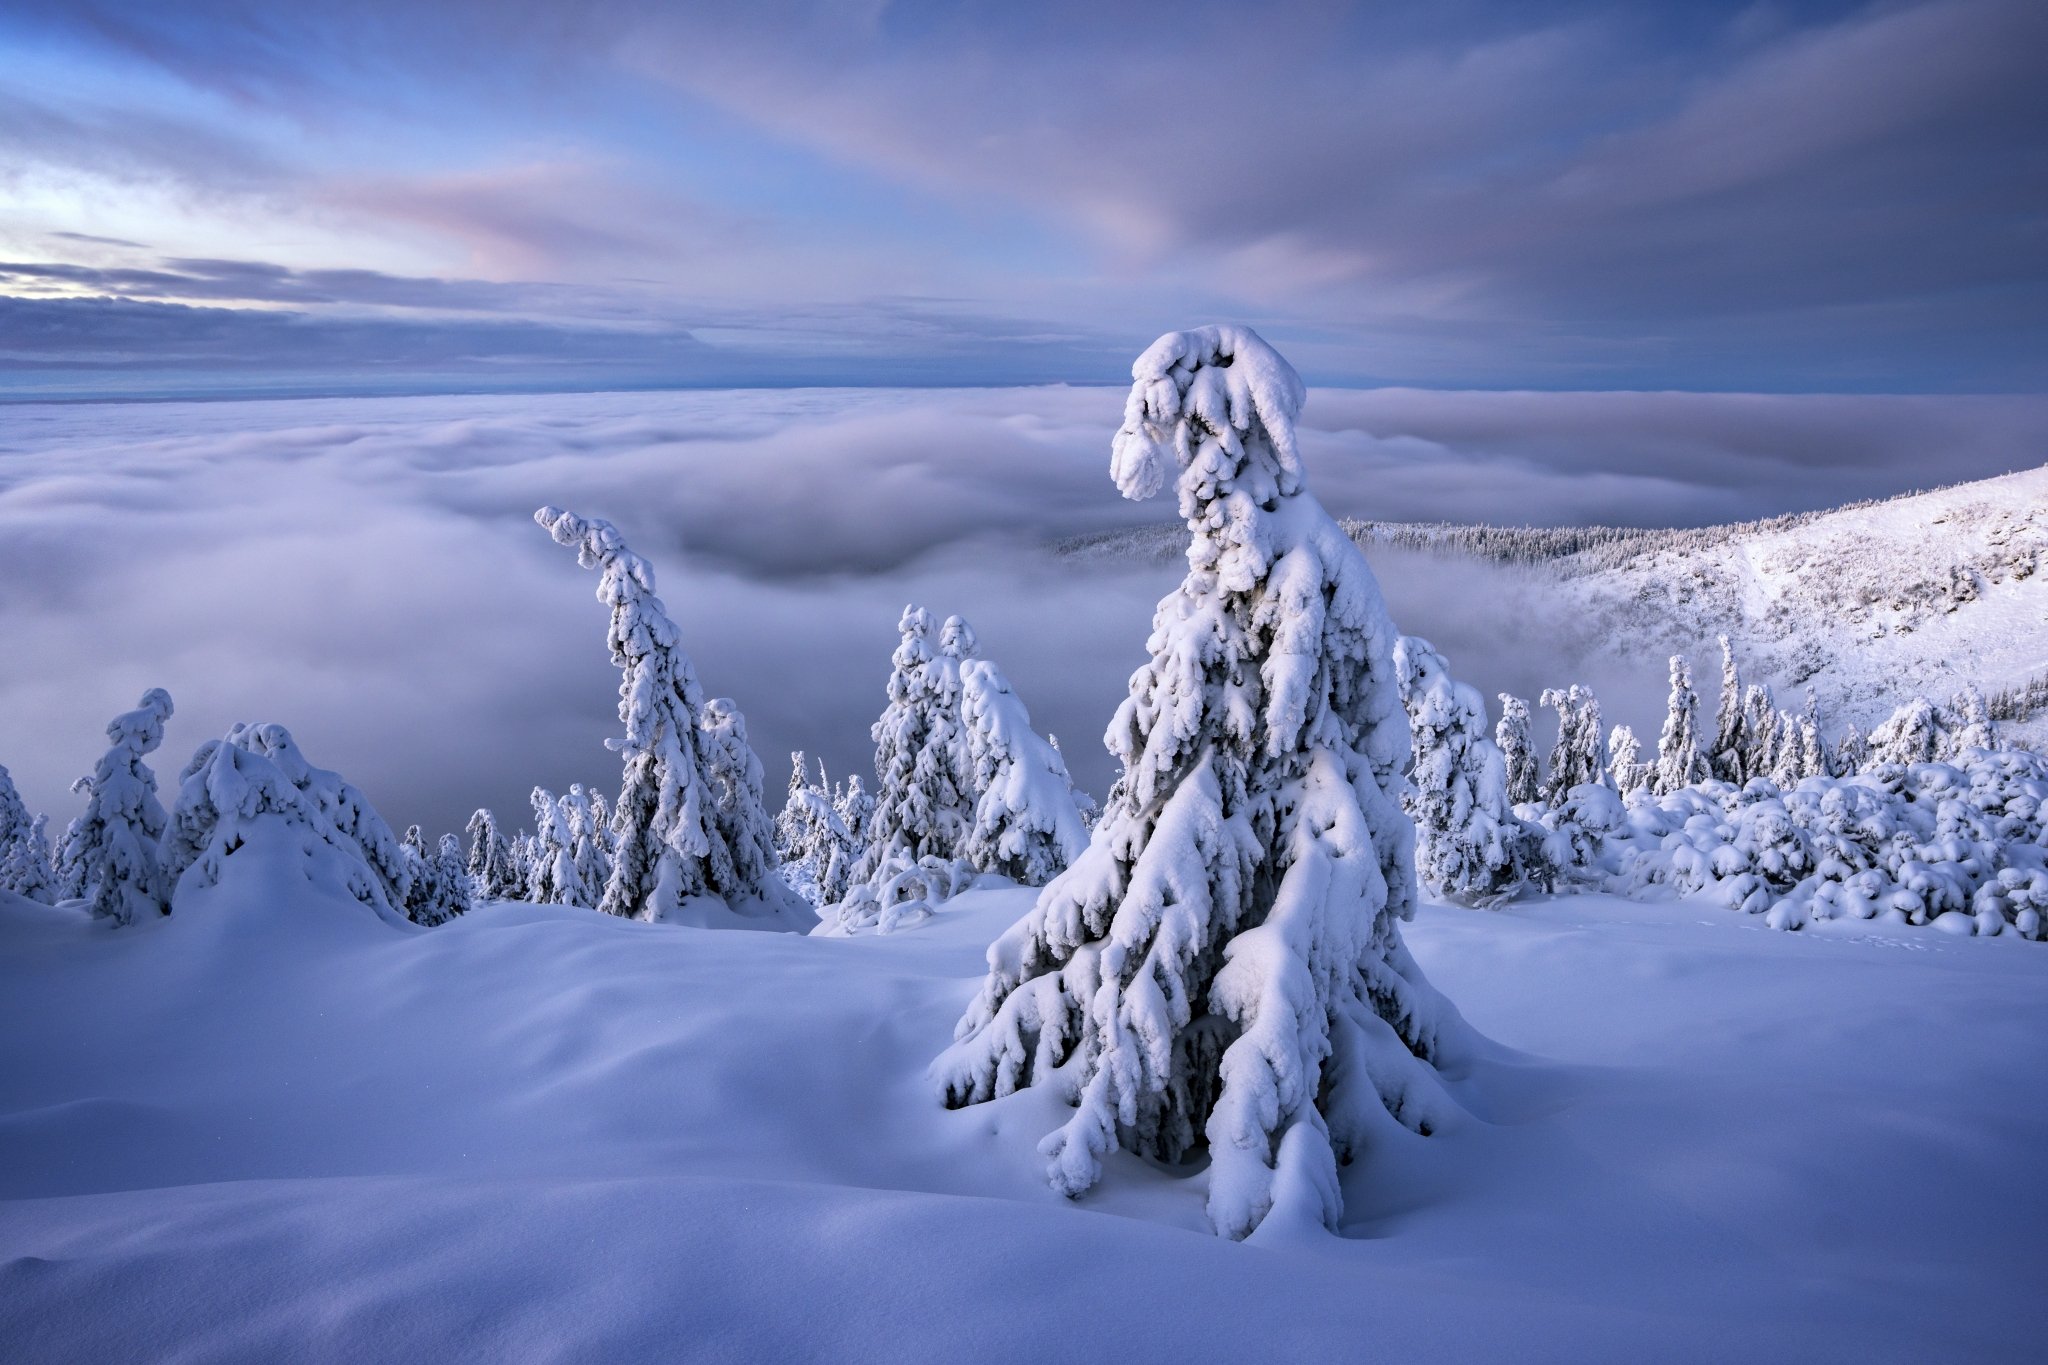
(1866, 605)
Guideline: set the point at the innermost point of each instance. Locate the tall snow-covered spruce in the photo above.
(1679, 761)
(1222, 968)
(682, 828)
(1517, 750)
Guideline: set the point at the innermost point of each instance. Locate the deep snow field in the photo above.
(275, 1128)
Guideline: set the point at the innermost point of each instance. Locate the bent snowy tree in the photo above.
(1222, 969)
(668, 816)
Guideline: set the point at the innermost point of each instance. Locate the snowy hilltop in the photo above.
(1864, 605)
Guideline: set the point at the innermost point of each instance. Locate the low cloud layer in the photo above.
(368, 574)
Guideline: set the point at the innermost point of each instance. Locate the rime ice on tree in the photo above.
(1466, 834)
(1223, 966)
(494, 871)
(1026, 825)
(1679, 763)
(24, 847)
(1517, 750)
(110, 852)
(254, 788)
(668, 816)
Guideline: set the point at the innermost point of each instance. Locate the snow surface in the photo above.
(275, 1127)
(1866, 606)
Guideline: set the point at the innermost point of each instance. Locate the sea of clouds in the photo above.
(366, 571)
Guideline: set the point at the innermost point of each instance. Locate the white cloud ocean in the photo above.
(367, 573)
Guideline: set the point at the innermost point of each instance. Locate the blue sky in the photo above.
(232, 197)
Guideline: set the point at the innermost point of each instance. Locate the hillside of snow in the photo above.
(276, 1127)
(1866, 605)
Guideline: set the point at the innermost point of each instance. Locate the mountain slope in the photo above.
(1866, 605)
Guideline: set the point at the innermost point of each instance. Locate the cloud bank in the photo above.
(367, 573)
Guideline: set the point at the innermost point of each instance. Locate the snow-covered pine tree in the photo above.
(255, 788)
(793, 820)
(14, 816)
(1624, 760)
(1225, 962)
(1852, 751)
(493, 869)
(1759, 731)
(924, 793)
(449, 866)
(588, 847)
(1467, 837)
(439, 889)
(1974, 728)
(1788, 753)
(743, 843)
(856, 810)
(1517, 749)
(552, 879)
(1679, 761)
(951, 745)
(1731, 743)
(1911, 734)
(1576, 757)
(525, 853)
(665, 818)
(25, 863)
(111, 849)
(24, 847)
(1813, 750)
(1026, 826)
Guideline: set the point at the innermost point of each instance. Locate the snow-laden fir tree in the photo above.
(920, 805)
(1026, 825)
(25, 863)
(1911, 734)
(552, 877)
(439, 889)
(1467, 836)
(821, 848)
(1517, 749)
(1788, 753)
(111, 850)
(494, 870)
(1223, 969)
(584, 813)
(793, 819)
(665, 820)
(1577, 756)
(1813, 750)
(24, 847)
(255, 789)
(449, 861)
(14, 817)
(1728, 757)
(1974, 728)
(1624, 760)
(1852, 751)
(743, 842)
(1679, 761)
(1759, 753)
(856, 810)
